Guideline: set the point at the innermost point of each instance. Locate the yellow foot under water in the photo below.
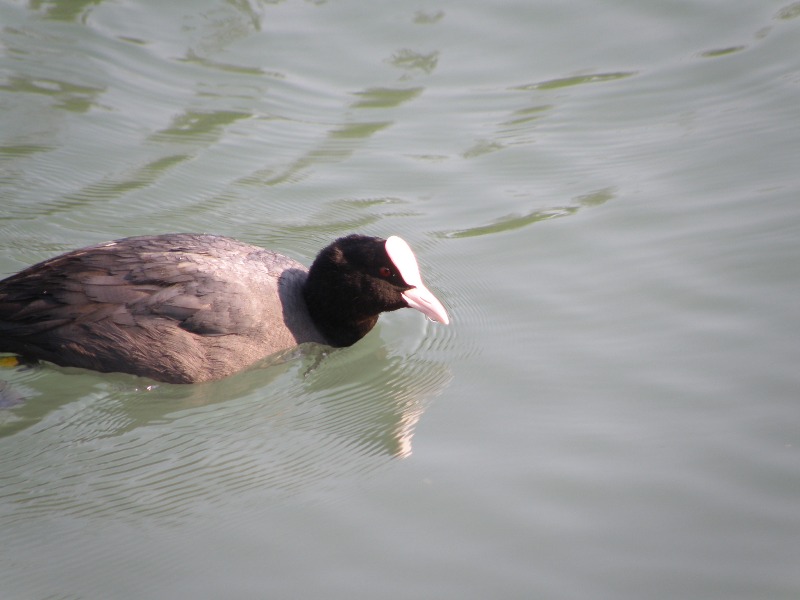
(9, 361)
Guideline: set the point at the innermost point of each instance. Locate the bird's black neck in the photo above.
(334, 314)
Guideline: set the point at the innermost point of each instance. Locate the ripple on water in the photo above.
(175, 451)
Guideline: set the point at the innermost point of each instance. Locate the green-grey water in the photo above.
(605, 197)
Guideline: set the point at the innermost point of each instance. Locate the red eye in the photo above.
(384, 272)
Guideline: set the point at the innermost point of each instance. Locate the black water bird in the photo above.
(185, 308)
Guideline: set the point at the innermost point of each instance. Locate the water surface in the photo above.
(603, 196)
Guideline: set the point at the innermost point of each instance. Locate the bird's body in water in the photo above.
(185, 308)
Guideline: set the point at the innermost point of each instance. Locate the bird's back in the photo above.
(179, 307)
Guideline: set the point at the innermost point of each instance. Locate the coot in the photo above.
(185, 308)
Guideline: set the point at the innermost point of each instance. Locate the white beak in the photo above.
(425, 302)
(419, 297)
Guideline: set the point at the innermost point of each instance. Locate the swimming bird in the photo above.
(186, 308)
